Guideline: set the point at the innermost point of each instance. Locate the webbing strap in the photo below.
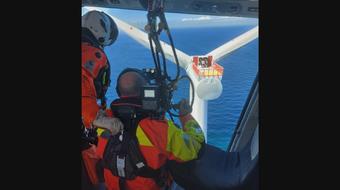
(122, 184)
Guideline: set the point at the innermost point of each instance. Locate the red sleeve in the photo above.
(89, 110)
(89, 106)
(101, 146)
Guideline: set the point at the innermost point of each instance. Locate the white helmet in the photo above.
(101, 26)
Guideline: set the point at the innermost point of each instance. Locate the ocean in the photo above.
(240, 69)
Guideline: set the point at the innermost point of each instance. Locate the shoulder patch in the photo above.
(89, 65)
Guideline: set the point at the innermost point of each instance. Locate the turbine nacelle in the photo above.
(206, 75)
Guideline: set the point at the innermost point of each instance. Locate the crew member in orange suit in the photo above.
(158, 140)
(98, 31)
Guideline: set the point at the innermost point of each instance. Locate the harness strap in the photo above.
(122, 184)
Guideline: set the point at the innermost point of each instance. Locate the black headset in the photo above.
(140, 72)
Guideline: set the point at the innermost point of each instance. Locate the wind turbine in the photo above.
(207, 87)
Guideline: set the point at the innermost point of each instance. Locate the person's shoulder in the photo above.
(153, 122)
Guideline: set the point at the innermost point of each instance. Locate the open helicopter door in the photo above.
(234, 169)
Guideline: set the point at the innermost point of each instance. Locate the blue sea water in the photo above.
(240, 69)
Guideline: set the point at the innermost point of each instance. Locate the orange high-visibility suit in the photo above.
(93, 61)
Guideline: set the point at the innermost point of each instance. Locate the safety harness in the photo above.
(122, 155)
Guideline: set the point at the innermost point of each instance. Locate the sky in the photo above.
(175, 20)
